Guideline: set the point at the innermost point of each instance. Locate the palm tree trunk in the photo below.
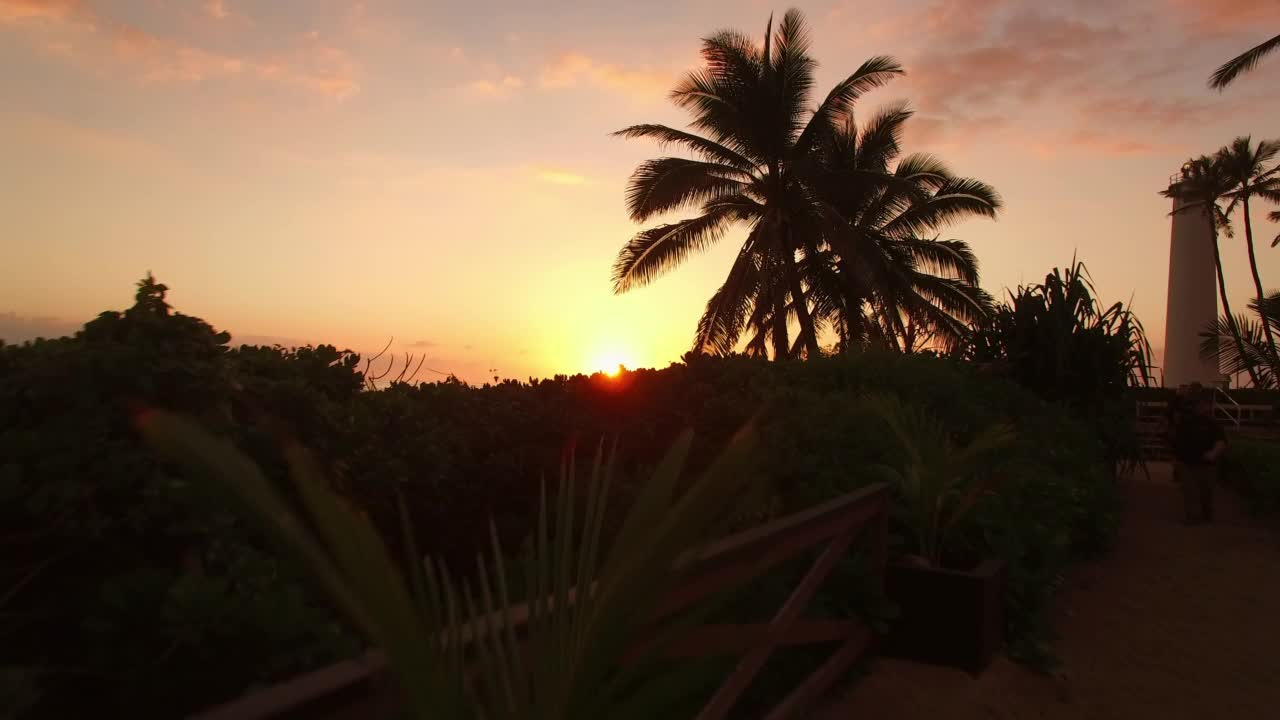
(781, 343)
(1253, 266)
(808, 332)
(1226, 307)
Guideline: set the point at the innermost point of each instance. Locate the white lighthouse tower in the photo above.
(1193, 299)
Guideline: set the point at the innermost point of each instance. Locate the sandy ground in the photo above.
(1177, 622)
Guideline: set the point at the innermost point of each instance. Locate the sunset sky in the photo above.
(441, 172)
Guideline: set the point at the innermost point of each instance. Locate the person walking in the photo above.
(1198, 444)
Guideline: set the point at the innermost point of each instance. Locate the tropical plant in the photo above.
(1061, 342)
(939, 480)
(1202, 185)
(1274, 217)
(766, 161)
(1254, 355)
(1246, 167)
(1242, 63)
(1252, 468)
(453, 646)
(1056, 339)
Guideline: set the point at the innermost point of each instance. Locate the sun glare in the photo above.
(611, 360)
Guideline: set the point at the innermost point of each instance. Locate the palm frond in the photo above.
(792, 69)
(656, 250)
(956, 199)
(1251, 354)
(717, 107)
(708, 150)
(666, 184)
(873, 73)
(722, 323)
(952, 258)
(1242, 63)
(880, 141)
(965, 303)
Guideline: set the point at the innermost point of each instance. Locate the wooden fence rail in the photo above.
(341, 690)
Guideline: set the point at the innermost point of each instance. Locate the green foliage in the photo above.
(119, 565)
(938, 481)
(138, 584)
(588, 600)
(1252, 467)
(1057, 340)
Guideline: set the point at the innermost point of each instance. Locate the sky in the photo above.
(442, 173)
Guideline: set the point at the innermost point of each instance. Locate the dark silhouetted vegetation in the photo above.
(131, 584)
(1252, 468)
(1056, 339)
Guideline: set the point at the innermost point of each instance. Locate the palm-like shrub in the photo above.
(939, 480)
(454, 647)
(1056, 339)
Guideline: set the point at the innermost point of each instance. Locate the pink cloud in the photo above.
(959, 18)
(66, 135)
(217, 9)
(1081, 79)
(492, 89)
(1112, 144)
(1030, 56)
(12, 11)
(1149, 112)
(572, 69)
(560, 176)
(160, 59)
(1210, 17)
(70, 29)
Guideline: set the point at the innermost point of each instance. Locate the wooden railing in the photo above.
(717, 568)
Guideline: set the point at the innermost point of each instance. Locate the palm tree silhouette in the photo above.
(1242, 63)
(881, 277)
(767, 162)
(1245, 166)
(1203, 184)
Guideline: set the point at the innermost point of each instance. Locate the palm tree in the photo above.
(895, 281)
(1253, 355)
(1242, 63)
(872, 277)
(761, 162)
(1245, 165)
(1275, 218)
(1202, 185)
(751, 104)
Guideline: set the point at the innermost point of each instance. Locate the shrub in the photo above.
(131, 590)
(1252, 467)
(1057, 340)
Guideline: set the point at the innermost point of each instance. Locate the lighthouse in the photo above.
(1193, 300)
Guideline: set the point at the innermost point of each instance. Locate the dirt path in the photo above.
(1178, 622)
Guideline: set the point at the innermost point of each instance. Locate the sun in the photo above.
(610, 360)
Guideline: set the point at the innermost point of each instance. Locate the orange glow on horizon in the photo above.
(611, 361)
